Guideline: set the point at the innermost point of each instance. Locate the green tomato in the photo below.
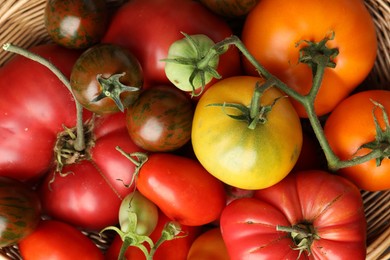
(138, 214)
(190, 65)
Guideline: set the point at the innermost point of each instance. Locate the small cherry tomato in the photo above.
(20, 211)
(106, 78)
(160, 119)
(76, 24)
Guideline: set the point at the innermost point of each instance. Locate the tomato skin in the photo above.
(135, 24)
(273, 28)
(230, 8)
(346, 132)
(176, 249)
(105, 60)
(89, 196)
(224, 145)
(76, 24)
(57, 240)
(182, 189)
(330, 203)
(209, 246)
(146, 213)
(20, 211)
(35, 107)
(160, 119)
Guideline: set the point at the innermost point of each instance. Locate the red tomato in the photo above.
(57, 240)
(326, 209)
(349, 126)
(89, 196)
(181, 188)
(149, 27)
(176, 249)
(273, 29)
(209, 246)
(34, 106)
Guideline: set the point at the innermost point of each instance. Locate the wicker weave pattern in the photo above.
(21, 22)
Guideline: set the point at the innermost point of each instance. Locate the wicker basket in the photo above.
(21, 22)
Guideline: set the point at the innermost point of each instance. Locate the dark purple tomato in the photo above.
(76, 24)
(161, 119)
(106, 78)
(20, 211)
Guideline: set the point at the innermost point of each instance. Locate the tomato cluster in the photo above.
(188, 132)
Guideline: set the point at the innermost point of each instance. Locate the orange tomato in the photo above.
(209, 246)
(351, 125)
(273, 29)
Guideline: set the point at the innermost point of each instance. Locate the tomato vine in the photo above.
(319, 57)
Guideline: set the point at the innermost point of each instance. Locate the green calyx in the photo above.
(303, 236)
(382, 139)
(113, 88)
(255, 113)
(315, 50)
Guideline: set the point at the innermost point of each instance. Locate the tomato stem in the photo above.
(79, 144)
(319, 57)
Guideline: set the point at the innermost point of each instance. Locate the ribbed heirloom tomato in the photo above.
(308, 215)
(241, 151)
(274, 32)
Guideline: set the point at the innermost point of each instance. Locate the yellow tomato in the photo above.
(237, 155)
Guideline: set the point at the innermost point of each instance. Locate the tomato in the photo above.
(90, 193)
(20, 211)
(176, 249)
(106, 78)
(209, 246)
(76, 24)
(326, 209)
(145, 211)
(351, 125)
(274, 32)
(160, 119)
(311, 156)
(181, 188)
(235, 153)
(57, 240)
(35, 107)
(139, 24)
(230, 8)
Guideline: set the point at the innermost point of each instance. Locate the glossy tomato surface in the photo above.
(236, 154)
(160, 119)
(35, 107)
(275, 31)
(89, 192)
(139, 25)
(326, 207)
(350, 126)
(181, 188)
(106, 78)
(20, 211)
(209, 246)
(76, 24)
(57, 240)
